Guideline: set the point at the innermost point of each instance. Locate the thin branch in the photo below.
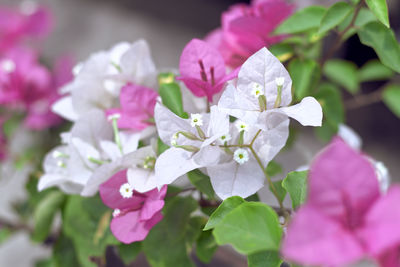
(364, 100)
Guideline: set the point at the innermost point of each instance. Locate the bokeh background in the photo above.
(85, 26)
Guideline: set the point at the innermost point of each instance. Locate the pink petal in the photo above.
(390, 258)
(342, 183)
(109, 193)
(314, 239)
(150, 208)
(381, 231)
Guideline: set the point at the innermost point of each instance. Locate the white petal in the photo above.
(219, 122)
(129, 141)
(111, 150)
(142, 180)
(208, 156)
(172, 164)
(263, 68)
(350, 136)
(233, 179)
(65, 109)
(50, 180)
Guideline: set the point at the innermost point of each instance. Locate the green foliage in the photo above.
(380, 9)
(383, 41)
(281, 192)
(304, 74)
(128, 253)
(273, 168)
(86, 223)
(44, 214)
(374, 70)
(5, 233)
(344, 73)
(264, 259)
(64, 254)
(226, 206)
(161, 147)
(165, 245)
(201, 182)
(296, 184)
(391, 97)
(171, 95)
(206, 246)
(303, 20)
(364, 17)
(250, 228)
(335, 15)
(283, 51)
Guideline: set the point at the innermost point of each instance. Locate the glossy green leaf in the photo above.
(391, 97)
(384, 42)
(201, 182)
(335, 15)
(264, 259)
(206, 246)
(171, 96)
(165, 245)
(273, 168)
(282, 51)
(281, 192)
(44, 214)
(129, 252)
(328, 95)
(304, 74)
(303, 20)
(161, 147)
(250, 228)
(296, 184)
(374, 70)
(380, 9)
(344, 73)
(219, 214)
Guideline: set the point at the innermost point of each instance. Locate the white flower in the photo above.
(241, 126)
(114, 116)
(241, 156)
(126, 190)
(116, 212)
(280, 81)
(225, 138)
(8, 66)
(196, 120)
(257, 90)
(265, 69)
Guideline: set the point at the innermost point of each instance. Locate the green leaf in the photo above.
(380, 9)
(161, 147)
(327, 131)
(344, 73)
(194, 229)
(171, 97)
(304, 73)
(219, 214)
(282, 51)
(384, 42)
(374, 70)
(5, 233)
(391, 97)
(45, 263)
(254, 197)
(330, 99)
(250, 228)
(201, 182)
(296, 184)
(264, 259)
(273, 168)
(84, 223)
(206, 246)
(165, 245)
(364, 17)
(64, 253)
(281, 192)
(335, 15)
(128, 253)
(303, 20)
(44, 214)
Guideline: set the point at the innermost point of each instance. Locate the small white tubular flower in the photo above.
(196, 120)
(174, 140)
(257, 90)
(126, 190)
(280, 81)
(114, 116)
(116, 212)
(225, 138)
(8, 66)
(241, 126)
(241, 156)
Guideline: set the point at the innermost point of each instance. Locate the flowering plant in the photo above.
(171, 163)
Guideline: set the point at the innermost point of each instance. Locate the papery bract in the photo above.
(345, 217)
(136, 215)
(247, 28)
(137, 107)
(202, 69)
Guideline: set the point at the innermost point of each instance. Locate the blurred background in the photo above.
(86, 26)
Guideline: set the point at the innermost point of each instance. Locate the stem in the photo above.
(339, 39)
(364, 100)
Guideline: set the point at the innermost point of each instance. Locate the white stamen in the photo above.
(61, 164)
(116, 212)
(58, 154)
(225, 138)
(257, 90)
(241, 126)
(28, 7)
(8, 66)
(174, 140)
(114, 116)
(241, 156)
(280, 81)
(196, 119)
(126, 190)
